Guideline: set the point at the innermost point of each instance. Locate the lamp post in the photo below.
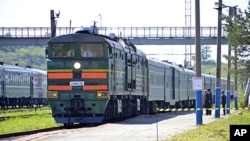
(218, 63)
(53, 22)
(100, 16)
(232, 10)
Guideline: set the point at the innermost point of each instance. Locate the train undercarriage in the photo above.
(6, 103)
(117, 109)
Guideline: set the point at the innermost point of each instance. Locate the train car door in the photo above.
(172, 87)
(31, 86)
(145, 68)
(177, 84)
(2, 83)
(113, 68)
(130, 72)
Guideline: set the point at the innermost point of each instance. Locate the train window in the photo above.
(92, 50)
(63, 50)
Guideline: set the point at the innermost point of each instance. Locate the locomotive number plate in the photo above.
(76, 83)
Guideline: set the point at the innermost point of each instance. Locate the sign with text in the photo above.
(239, 132)
(76, 83)
(197, 83)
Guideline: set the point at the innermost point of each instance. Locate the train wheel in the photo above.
(67, 125)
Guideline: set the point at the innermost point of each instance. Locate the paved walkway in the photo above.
(141, 128)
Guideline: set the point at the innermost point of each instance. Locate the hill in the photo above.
(211, 69)
(33, 56)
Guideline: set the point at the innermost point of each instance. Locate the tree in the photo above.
(237, 27)
(205, 54)
(47, 34)
(8, 34)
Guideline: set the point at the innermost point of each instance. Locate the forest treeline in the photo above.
(33, 56)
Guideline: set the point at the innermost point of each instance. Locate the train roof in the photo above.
(39, 71)
(14, 68)
(118, 43)
(164, 64)
(152, 61)
(77, 37)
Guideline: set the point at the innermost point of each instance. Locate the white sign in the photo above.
(197, 83)
(76, 83)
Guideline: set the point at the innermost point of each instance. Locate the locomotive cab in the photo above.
(78, 77)
(95, 78)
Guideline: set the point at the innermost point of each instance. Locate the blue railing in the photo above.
(128, 32)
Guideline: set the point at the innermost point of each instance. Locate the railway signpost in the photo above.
(197, 83)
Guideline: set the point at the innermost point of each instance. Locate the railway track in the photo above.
(29, 132)
(2, 118)
(50, 129)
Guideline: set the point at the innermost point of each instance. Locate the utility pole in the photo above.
(198, 93)
(53, 22)
(188, 32)
(228, 76)
(218, 64)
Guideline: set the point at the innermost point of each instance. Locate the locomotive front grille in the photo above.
(77, 75)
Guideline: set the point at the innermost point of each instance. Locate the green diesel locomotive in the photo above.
(95, 79)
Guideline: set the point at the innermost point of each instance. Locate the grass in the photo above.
(216, 131)
(35, 119)
(24, 111)
(212, 69)
(14, 125)
(220, 129)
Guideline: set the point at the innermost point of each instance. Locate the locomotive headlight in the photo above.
(52, 94)
(77, 65)
(102, 94)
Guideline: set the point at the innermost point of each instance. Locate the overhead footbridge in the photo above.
(38, 36)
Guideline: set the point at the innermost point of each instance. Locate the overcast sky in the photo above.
(114, 13)
(26, 13)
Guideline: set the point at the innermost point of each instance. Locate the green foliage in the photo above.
(22, 124)
(218, 130)
(205, 56)
(8, 34)
(205, 53)
(24, 111)
(211, 69)
(237, 28)
(36, 118)
(24, 56)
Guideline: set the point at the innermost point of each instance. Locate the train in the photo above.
(22, 87)
(95, 79)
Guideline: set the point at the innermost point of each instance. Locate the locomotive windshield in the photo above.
(68, 50)
(63, 50)
(92, 50)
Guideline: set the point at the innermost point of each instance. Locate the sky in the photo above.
(112, 13)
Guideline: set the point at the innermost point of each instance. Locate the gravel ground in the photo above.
(141, 128)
